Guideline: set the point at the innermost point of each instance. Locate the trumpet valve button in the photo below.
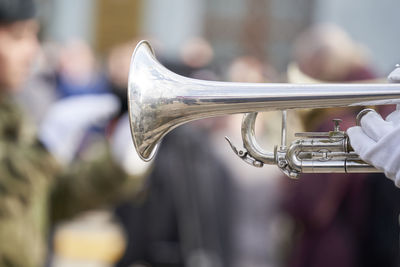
(336, 122)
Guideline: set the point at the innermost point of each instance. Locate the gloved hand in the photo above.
(123, 150)
(68, 120)
(377, 141)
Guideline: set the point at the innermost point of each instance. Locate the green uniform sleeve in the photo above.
(92, 184)
(26, 173)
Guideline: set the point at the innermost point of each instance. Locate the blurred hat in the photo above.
(325, 52)
(295, 75)
(16, 10)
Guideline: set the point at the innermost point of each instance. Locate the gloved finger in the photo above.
(394, 117)
(359, 141)
(374, 126)
(394, 76)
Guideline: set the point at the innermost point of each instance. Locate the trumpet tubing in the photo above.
(160, 100)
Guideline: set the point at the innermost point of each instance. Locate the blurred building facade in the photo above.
(261, 28)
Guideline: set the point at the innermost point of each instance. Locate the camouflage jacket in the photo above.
(35, 191)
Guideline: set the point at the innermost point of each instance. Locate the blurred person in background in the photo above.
(61, 70)
(197, 55)
(255, 235)
(77, 71)
(341, 220)
(183, 216)
(251, 69)
(117, 69)
(39, 182)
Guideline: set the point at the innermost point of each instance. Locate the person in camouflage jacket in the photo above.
(35, 189)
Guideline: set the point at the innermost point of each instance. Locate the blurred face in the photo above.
(18, 47)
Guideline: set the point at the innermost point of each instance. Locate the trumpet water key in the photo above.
(160, 100)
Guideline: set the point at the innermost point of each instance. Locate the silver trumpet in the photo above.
(160, 100)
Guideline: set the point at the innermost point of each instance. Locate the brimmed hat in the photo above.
(326, 52)
(16, 10)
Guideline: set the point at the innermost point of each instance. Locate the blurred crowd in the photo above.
(196, 204)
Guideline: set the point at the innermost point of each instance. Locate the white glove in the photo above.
(377, 142)
(123, 150)
(67, 121)
(394, 76)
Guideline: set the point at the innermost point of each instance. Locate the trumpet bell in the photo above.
(140, 77)
(157, 100)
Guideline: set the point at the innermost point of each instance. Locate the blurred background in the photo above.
(265, 29)
(229, 214)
